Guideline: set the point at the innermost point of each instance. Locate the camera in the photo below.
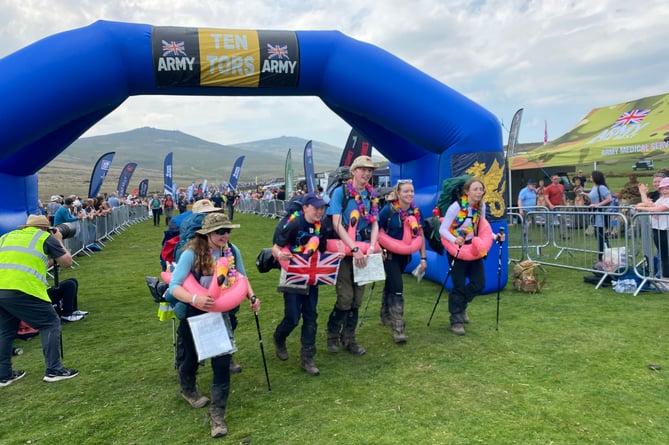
(67, 230)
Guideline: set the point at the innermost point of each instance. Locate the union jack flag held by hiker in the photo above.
(319, 268)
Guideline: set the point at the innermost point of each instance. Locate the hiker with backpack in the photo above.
(356, 194)
(397, 213)
(296, 231)
(199, 257)
(460, 227)
(189, 226)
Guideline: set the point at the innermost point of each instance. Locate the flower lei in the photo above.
(412, 211)
(374, 201)
(226, 278)
(312, 245)
(461, 216)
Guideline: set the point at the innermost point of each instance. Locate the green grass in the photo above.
(567, 366)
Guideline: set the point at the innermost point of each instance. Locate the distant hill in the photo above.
(194, 159)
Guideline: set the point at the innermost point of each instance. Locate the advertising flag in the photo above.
(309, 174)
(143, 188)
(167, 173)
(289, 174)
(236, 171)
(100, 173)
(356, 145)
(124, 179)
(513, 133)
(545, 132)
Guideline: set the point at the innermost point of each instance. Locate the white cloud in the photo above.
(558, 59)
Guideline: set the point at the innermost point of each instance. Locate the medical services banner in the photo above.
(625, 131)
(192, 57)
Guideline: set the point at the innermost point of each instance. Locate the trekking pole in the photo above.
(55, 287)
(443, 285)
(499, 276)
(369, 297)
(262, 348)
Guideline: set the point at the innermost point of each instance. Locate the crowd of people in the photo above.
(633, 195)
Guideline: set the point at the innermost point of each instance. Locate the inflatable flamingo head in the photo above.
(353, 219)
(479, 248)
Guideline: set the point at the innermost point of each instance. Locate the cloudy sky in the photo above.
(557, 59)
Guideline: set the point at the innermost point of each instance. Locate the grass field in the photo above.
(567, 366)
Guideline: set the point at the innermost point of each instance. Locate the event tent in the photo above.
(622, 132)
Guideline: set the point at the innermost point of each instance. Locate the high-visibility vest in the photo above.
(23, 263)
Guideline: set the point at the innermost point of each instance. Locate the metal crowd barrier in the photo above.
(566, 238)
(102, 228)
(262, 207)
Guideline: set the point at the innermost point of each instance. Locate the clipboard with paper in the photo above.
(373, 270)
(212, 335)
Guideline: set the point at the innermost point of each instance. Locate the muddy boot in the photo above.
(348, 335)
(396, 312)
(189, 392)
(219, 400)
(335, 323)
(307, 360)
(385, 314)
(280, 347)
(457, 326)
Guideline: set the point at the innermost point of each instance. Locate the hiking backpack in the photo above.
(525, 277)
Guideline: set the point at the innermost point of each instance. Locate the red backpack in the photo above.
(167, 252)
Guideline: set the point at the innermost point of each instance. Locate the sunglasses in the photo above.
(222, 231)
(405, 181)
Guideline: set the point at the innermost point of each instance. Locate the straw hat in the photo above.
(39, 221)
(215, 221)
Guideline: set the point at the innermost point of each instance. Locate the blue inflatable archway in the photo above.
(56, 89)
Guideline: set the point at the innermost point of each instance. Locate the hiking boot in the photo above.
(281, 350)
(464, 317)
(17, 351)
(195, 399)
(16, 375)
(457, 329)
(235, 368)
(218, 427)
(354, 348)
(400, 337)
(308, 365)
(63, 374)
(333, 344)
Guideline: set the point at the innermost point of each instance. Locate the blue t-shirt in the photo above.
(337, 201)
(527, 197)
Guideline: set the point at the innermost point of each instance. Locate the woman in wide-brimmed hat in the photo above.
(199, 257)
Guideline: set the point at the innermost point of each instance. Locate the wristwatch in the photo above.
(355, 249)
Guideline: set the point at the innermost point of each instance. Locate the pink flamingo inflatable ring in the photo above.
(226, 297)
(479, 246)
(337, 245)
(411, 240)
(309, 249)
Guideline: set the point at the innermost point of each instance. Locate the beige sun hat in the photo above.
(39, 221)
(205, 206)
(215, 221)
(362, 162)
